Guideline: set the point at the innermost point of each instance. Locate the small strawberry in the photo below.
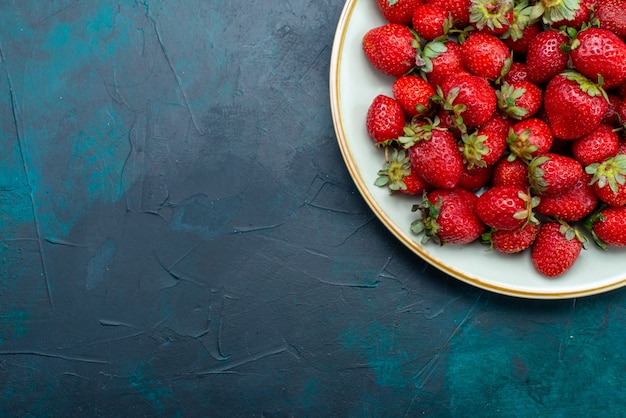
(556, 248)
(413, 93)
(510, 173)
(391, 49)
(554, 11)
(475, 178)
(596, 146)
(498, 123)
(582, 15)
(397, 175)
(485, 55)
(472, 92)
(574, 105)
(519, 44)
(610, 14)
(519, 100)
(398, 11)
(599, 55)
(459, 9)
(448, 217)
(609, 180)
(572, 205)
(491, 16)
(517, 72)
(608, 227)
(434, 153)
(385, 119)
(439, 63)
(529, 138)
(544, 58)
(483, 148)
(506, 207)
(431, 21)
(553, 174)
(511, 241)
(611, 117)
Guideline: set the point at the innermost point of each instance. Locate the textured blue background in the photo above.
(180, 237)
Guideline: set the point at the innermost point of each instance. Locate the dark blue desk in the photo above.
(180, 237)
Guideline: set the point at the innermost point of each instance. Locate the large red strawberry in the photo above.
(459, 9)
(398, 11)
(506, 207)
(556, 249)
(596, 146)
(609, 180)
(473, 93)
(572, 205)
(485, 55)
(610, 14)
(529, 138)
(574, 105)
(511, 241)
(544, 58)
(448, 217)
(608, 227)
(520, 99)
(398, 176)
(413, 93)
(553, 174)
(385, 119)
(391, 49)
(600, 55)
(430, 21)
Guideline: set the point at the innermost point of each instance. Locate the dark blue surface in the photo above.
(180, 237)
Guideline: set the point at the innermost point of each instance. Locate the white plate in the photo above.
(353, 85)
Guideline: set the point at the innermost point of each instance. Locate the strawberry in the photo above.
(506, 207)
(609, 180)
(529, 138)
(413, 94)
(608, 227)
(391, 49)
(475, 178)
(519, 100)
(434, 153)
(498, 123)
(572, 205)
(544, 58)
(459, 9)
(431, 21)
(596, 146)
(491, 16)
(483, 148)
(600, 55)
(448, 217)
(519, 44)
(555, 11)
(581, 16)
(385, 119)
(511, 241)
(473, 93)
(485, 55)
(398, 11)
(517, 72)
(556, 248)
(611, 117)
(510, 173)
(610, 14)
(397, 175)
(574, 105)
(442, 64)
(553, 174)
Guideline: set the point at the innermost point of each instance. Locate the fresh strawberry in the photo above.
(483, 148)
(596, 146)
(442, 64)
(555, 11)
(511, 241)
(608, 227)
(553, 174)
(473, 93)
(609, 180)
(448, 217)
(475, 178)
(506, 207)
(491, 16)
(510, 173)
(519, 100)
(431, 21)
(517, 72)
(556, 248)
(391, 49)
(582, 15)
(600, 55)
(529, 138)
(459, 9)
(572, 205)
(611, 117)
(398, 176)
(398, 11)
(485, 55)
(519, 44)
(610, 14)
(413, 93)
(574, 105)
(385, 119)
(498, 123)
(544, 58)
(434, 153)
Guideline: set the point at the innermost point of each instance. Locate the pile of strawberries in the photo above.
(507, 118)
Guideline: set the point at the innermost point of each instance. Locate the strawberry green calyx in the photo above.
(507, 95)
(520, 146)
(551, 11)
(427, 222)
(588, 224)
(611, 172)
(394, 170)
(447, 103)
(473, 148)
(392, 2)
(528, 213)
(417, 132)
(521, 19)
(536, 174)
(490, 13)
(430, 51)
(571, 233)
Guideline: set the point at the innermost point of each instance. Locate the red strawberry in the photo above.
(398, 11)
(474, 93)
(510, 173)
(413, 94)
(611, 117)
(517, 72)
(553, 174)
(608, 227)
(556, 248)
(511, 241)
(448, 217)
(498, 123)
(575, 106)
(519, 100)
(609, 180)
(581, 16)
(459, 9)
(491, 16)
(544, 58)
(397, 175)
(385, 119)
(483, 148)
(434, 153)
(430, 21)
(610, 14)
(519, 44)
(572, 205)
(444, 63)
(475, 178)
(529, 138)
(506, 207)
(599, 53)
(391, 49)
(485, 55)
(596, 146)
